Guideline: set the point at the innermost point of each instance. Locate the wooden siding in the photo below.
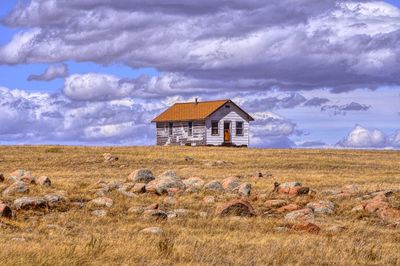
(180, 134)
(233, 115)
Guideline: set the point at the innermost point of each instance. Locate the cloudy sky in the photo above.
(314, 73)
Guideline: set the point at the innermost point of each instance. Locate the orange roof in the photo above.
(191, 111)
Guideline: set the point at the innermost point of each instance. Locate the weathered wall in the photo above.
(232, 114)
(180, 134)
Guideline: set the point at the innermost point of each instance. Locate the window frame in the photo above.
(241, 128)
(190, 128)
(212, 128)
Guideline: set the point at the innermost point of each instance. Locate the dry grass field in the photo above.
(71, 235)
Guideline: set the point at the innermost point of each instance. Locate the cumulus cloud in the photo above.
(361, 137)
(289, 44)
(52, 72)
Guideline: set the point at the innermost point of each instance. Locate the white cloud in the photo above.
(361, 137)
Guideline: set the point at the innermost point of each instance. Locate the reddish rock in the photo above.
(230, 183)
(290, 190)
(378, 202)
(244, 189)
(238, 207)
(43, 181)
(389, 215)
(17, 187)
(109, 158)
(22, 175)
(139, 188)
(306, 227)
(275, 203)
(5, 211)
(153, 206)
(288, 208)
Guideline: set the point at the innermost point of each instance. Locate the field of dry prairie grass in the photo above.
(73, 236)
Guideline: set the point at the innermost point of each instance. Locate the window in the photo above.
(227, 106)
(170, 128)
(239, 128)
(214, 128)
(190, 129)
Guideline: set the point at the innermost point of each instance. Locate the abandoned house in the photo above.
(214, 123)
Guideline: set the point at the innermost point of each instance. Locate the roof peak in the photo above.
(194, 102)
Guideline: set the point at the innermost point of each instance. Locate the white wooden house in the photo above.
(216, 123)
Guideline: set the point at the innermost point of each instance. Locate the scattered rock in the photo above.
(171, 215)
(288, 208)
(322, 207)
(165, 183)
(141, 176)
(209, 199)
(350, 189)
(275, 203)
(153, 206)
(136, 210)
(381, 206)
(238, 207)
(22, 175)
(390, 215)
(192, 190)
(194, 182)
(230, 183)
(127, 193)
(1, 177)
(17, 187)
(244, 189)
(5, 211)
(139, 188)
(290, 185)
(214, 185)
(109, 158)
(99, 213)
(43, 181)
(102, 202)
(189, 159)
(30, 203)
(218, 163)
(129, 186)
(305, 215)
(157, 214)
(306, 227)
(54, 200)
(153, 230)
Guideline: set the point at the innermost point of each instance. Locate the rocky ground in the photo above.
(63, 205)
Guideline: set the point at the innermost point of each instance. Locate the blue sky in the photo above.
(323, 75)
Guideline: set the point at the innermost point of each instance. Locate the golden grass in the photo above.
(75, 237)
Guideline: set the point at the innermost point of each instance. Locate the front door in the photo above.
(227, 131)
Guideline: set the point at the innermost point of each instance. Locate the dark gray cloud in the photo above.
(218, 45)
(52, 72)
(316, 101)
(342, 109)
